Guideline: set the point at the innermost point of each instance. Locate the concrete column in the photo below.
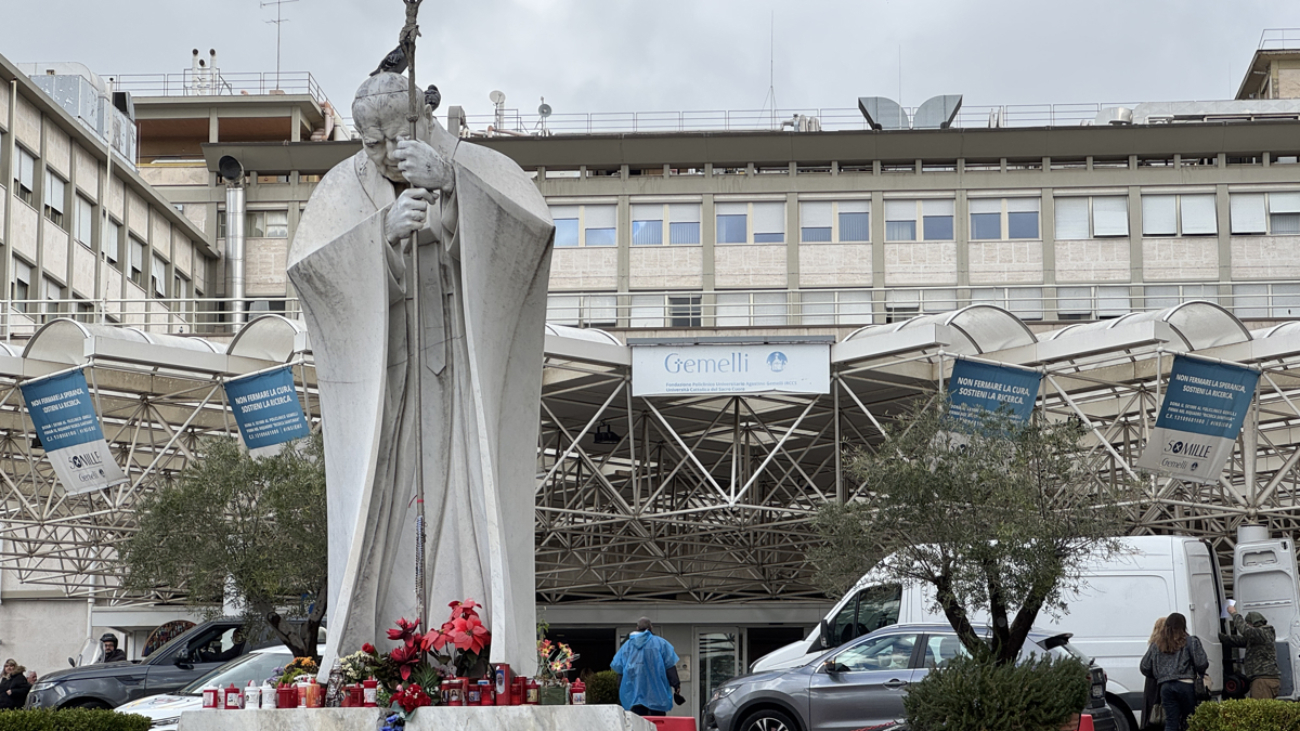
(624, 241)
(1223, 210)
(1047, 231)
(214, 126)
(792, 239)
(961, 237)
(877, 254)
(1135, 233)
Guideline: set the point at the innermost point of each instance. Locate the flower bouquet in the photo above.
(554, 662)
(461, 643)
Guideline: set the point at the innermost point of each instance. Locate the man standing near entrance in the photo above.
(1260, 640)
(648, 668)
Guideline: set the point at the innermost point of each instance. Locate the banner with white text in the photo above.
(976, 388)
(267, 410)
(1204, 407)
(662, 370)
(70, 432)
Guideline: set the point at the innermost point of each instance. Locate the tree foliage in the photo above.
(998, 518)
(252, 527)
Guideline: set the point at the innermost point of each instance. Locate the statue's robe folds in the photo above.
(485, 261)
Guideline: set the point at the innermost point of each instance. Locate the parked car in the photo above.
(195, 653)
(863, 682)
(164, 710)
(1110, 614)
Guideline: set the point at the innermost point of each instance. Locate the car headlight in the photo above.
(44, 685)
(723, 692)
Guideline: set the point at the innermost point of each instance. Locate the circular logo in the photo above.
(76, 462)
(776, 361)
(1177, 448)
(1194, 466)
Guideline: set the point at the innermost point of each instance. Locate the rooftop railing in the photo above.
(215, 82)
(853, 306)
(514, 122)
(1278, 39)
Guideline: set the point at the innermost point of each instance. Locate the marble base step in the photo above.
(433, 718)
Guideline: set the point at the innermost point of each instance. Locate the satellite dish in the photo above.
(497, 97)
(230, 168)
(544, 111)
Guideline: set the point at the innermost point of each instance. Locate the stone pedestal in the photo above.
(434, 718)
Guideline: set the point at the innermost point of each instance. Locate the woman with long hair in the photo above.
(13, 685)
(1175, 660)
(1151, 691)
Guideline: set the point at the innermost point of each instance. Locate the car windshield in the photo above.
(257, 667)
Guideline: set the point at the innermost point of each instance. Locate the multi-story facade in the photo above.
(82, 233)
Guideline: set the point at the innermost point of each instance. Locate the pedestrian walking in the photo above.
(647, 666)
(13, 686)
(1152, 712)
(1254, 633)
(1177, 661)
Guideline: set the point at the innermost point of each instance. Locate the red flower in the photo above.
(412, 698)
(368, 648)
(405, 630)
(405, 656)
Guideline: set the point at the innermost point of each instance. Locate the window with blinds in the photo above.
(585, 225)
(934, 214)
(649, 229)
(750, 223)
(1091, 217)
(835, 221)
(1276, 214)
(1003, 218)
(1179, 215)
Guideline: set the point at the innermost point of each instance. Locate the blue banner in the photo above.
(266, 408)
(1204, 407)
(977, 388)
(64, 417)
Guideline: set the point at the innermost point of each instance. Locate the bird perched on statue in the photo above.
(394, 62)
(432, 97)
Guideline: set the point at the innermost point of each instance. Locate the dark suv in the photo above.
(191, 655)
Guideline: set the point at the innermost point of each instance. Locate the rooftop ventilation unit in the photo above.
(1115, 116)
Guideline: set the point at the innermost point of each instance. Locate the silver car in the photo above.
(863, 682)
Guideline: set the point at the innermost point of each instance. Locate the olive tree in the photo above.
(238, 527)
(996, 517)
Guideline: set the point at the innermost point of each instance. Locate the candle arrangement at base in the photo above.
(446, 666)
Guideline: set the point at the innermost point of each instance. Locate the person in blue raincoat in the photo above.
(647, 666)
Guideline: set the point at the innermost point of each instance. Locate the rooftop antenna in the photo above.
(543, 112)
(498, 99)
(279, 23)
(771, 68)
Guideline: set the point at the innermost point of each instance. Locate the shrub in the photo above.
(1246, 715)
(975, 695)
(72, 719)
(602, 688)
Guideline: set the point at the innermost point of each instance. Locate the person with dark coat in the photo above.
(13, 686)
(1260, 640)
(1151, 691)
(1176, 659)
(111, 653)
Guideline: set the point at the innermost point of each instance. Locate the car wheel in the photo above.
(1121, 717)
(768, 720)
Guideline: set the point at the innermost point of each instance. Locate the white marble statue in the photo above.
(485, 236)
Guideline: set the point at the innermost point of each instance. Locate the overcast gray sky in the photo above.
(619, 56)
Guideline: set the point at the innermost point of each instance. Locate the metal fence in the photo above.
(513, 121)
(214, 82)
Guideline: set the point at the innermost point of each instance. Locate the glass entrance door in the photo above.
(719, 657)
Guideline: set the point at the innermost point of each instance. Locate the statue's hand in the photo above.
(408, 214)
(423, 166)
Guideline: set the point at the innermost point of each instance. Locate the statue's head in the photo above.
(379, 112)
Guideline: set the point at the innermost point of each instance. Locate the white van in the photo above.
(1110, 617)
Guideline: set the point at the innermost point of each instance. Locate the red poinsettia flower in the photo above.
(405, 656)
(405, 630)
(469, 634)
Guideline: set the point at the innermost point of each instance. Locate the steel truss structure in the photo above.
(710, 498)
(681, 499)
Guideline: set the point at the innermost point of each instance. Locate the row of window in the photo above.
(929, 219)
(855, 307)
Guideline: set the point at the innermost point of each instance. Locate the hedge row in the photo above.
(1246, 715)
(72, 719)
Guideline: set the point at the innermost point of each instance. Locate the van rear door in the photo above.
(1264, 581)
(1204, 604)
